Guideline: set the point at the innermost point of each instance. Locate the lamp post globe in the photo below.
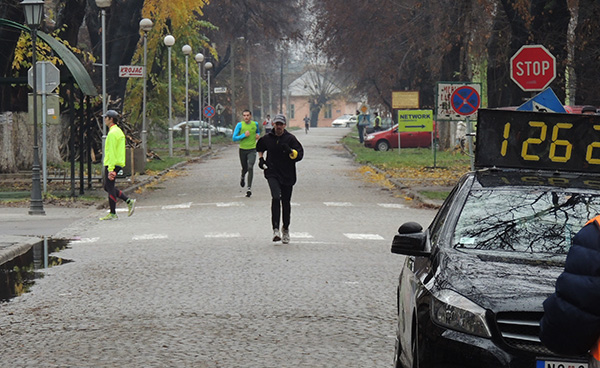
(102, 4)
(170, 41)
(145, 26)
(34, 11)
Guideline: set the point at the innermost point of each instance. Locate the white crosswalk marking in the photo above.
(222, 235)
(301, 236)
(84, 240)
(150, 236)
(230, 204)
(364, 236)
(338, 204)
(391, 205)
(177, 206)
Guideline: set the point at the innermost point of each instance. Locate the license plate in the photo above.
(559, 364)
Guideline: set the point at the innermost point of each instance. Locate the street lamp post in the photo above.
(199, 59)
(208, 66)
(145, 26)
(250, 102)
(34, 10)
(103, 4)
(187, 50)
(170, 41)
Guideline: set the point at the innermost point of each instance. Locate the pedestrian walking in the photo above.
(360, 125)
(114, 161)
(306, 123)
(571, 321)
(282, 152)
(268, 124)
(247, 133)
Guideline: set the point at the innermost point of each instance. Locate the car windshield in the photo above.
(526, 221)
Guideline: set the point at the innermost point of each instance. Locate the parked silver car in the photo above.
(195, 128)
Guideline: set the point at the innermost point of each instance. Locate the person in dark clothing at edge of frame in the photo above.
(571, 321)
(114, 161)
(283, 151)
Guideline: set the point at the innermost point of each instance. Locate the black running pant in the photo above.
(113, 192)
(281, 196)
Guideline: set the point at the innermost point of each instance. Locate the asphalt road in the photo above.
(193, 279)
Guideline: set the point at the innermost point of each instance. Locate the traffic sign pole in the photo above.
(465, 101)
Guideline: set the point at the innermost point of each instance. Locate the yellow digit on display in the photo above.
(590, 150)
(535, 124)
(560, 142)
(505, 141)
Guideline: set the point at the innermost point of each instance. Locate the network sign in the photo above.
(415, 120)
(131, 71)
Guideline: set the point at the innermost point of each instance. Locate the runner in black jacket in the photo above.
(283, 151)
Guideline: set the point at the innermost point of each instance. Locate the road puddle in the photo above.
(17, 276)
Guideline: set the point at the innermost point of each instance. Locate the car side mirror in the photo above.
(410, 241)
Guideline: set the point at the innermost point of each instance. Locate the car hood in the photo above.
(379, 133)
(500, 281)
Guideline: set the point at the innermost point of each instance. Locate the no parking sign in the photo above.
(209, 112)
(465, 100)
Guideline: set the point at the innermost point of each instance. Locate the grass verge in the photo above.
(419, 168)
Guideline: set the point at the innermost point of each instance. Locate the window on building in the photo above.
(292, 112)
(327, 112)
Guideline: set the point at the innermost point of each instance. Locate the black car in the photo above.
(472, 286)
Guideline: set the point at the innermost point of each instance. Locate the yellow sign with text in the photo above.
(405, 100)
(415, 120)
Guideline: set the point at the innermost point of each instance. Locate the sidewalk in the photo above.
(19, 231)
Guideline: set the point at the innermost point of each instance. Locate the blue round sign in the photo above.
(465, 100)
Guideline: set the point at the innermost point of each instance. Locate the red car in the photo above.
(386, 139)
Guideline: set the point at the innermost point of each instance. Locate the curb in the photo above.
(405, 190)
(18, 245)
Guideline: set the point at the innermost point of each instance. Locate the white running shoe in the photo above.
(285, 239)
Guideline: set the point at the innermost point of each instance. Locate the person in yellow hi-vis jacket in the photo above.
(571, 321)
(114, 161)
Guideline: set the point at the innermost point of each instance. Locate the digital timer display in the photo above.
(539, 141)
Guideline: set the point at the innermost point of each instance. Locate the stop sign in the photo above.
(533, 67)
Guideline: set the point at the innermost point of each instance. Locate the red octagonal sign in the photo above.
(533, 67)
